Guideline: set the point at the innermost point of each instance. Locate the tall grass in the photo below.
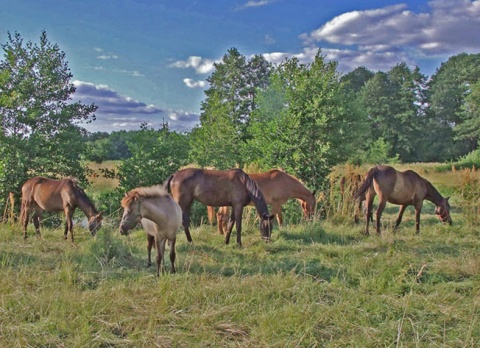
(317, 284)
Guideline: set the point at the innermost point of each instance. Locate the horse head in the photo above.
(266, 226)
(131, 213)
(94, 223)
(443, 211)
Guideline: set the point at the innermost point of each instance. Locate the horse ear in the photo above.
(447, 198)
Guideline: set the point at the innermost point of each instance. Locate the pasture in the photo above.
(316, 284)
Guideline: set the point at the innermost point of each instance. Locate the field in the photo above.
(317, 284)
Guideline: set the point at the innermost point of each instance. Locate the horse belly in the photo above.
(51, 203)
(402, 191)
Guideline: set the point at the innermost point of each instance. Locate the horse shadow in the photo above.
(229, 262)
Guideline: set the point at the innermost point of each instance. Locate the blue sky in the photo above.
(147, 61)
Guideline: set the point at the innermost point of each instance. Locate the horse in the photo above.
(219, 188)
(161, 218)
(41, 194)
(400, 188)
(277, 187)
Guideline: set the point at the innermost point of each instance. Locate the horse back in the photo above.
(402, 188)
(49, 194)
(280, 186)
(209, 187)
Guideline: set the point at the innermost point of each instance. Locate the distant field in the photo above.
(98, 181)
(318, 284)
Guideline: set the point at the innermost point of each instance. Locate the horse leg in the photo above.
(399, 218)
(150, 240)
(186, 221)
(231, 223)
(25, 215)
(37, 214)
(368, 211)
(172, 254)
(238, 221)
(381, 206)
(68, 223)
(160, 253)
(277, 211)
(418, 209)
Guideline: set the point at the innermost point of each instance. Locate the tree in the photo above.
(40, 125)
(155, 155)
(469, 129)
(448, 88)
(226, 111)
(302, 124)
(395, 104)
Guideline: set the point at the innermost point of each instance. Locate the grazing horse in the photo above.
(401, 188)
(42, 194)
(218, 188)
(277, 187)
(161, 218)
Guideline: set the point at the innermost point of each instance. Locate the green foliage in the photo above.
(395, 104)
(379, 153)
(451, 107)
(226, 111)
(301, 118)
(155, 155)
(41, 133)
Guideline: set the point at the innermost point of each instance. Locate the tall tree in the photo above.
(448, 88)
(302, 124)
(227, 109)
(395, 103)
(40, 125)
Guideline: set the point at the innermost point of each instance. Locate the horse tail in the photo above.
(166, 183)
(367, 183)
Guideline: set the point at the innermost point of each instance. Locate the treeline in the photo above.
(304, 118)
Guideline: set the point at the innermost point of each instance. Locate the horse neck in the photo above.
(433, 195)
(85, 205)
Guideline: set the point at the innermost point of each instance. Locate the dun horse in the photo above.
(401, 188)
(41, 194)
(277, 187)
(161, 217)
(219, 188)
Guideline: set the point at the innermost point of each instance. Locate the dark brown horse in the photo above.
(277, 187)
(401, 188)
(219, 188)
(41, 194)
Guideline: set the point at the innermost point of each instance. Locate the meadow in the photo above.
(316, 284)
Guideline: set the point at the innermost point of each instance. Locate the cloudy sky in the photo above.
(148, 60)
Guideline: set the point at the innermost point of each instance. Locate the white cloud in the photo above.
(449, 28)
(199, 64)
(195, 84)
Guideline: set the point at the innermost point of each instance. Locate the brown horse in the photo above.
(404, 189)
(41, 194)
(218, 188)
(161, 218)
(277, 187)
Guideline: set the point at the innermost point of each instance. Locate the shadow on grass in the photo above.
(316, 234)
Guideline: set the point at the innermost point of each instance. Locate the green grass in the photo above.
(319, 284)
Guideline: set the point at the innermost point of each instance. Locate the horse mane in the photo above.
(145, 192)
(255, 195)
